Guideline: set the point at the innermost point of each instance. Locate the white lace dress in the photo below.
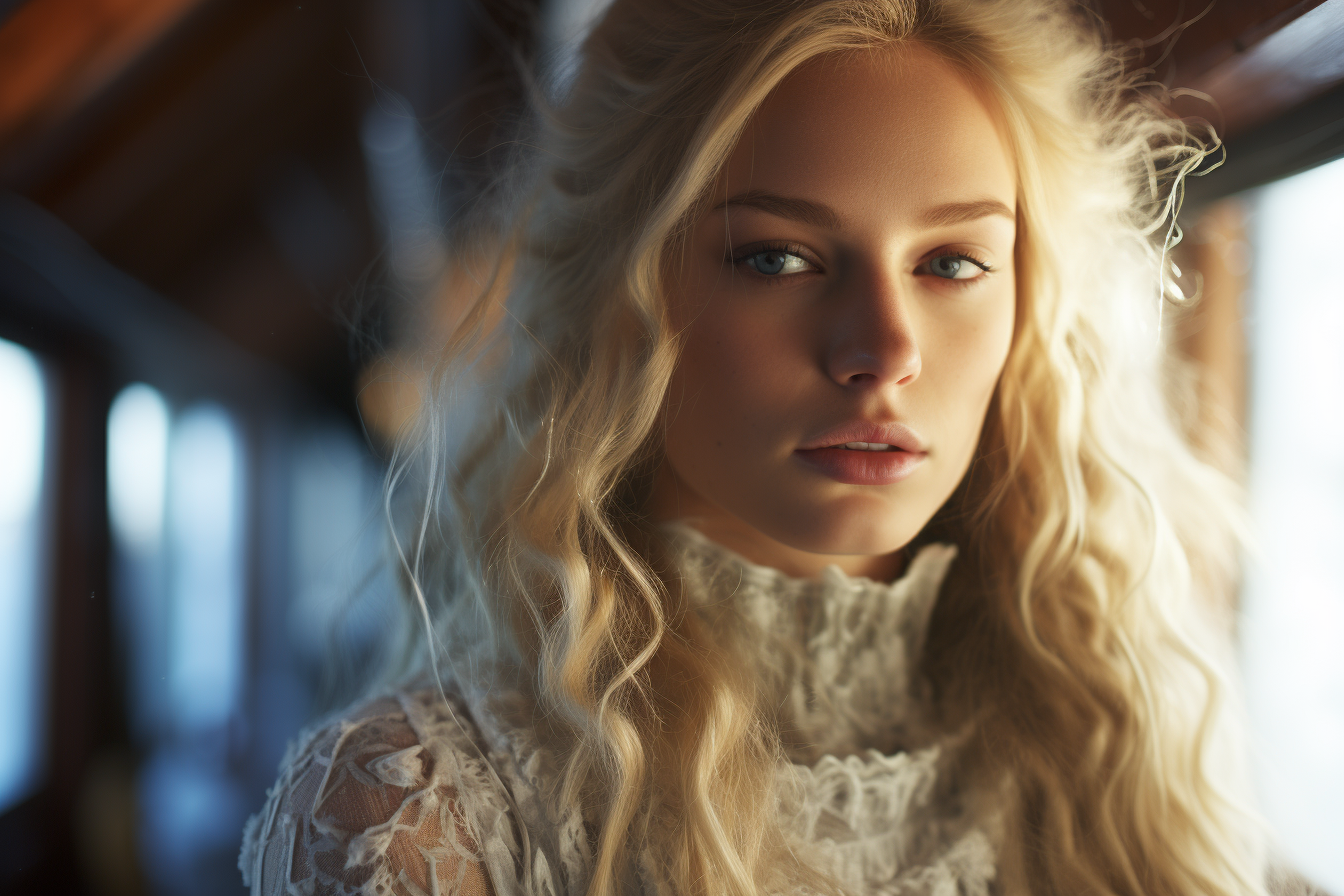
(408, 794)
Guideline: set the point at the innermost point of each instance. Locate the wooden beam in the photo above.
(56, 54)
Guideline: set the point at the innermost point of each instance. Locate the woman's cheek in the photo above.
(984, 349)
(963, 352)
(733, 384)
(739, 346)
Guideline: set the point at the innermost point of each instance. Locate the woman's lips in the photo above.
(900, 451)
(862, 467)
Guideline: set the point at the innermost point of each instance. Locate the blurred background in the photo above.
(220, 253)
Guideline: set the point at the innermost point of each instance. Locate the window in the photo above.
(23, 408)
(205, 568)
(137, 476)
(1293, 606)
(176, 499)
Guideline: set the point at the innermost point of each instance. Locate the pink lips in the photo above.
(857, 467)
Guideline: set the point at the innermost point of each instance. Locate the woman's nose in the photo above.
(872, 341)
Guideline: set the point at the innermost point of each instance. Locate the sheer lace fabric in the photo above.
(387, 799)
(410, 795)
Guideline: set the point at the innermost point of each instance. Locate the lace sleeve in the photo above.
(360, 808)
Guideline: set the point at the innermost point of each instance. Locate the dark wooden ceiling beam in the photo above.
(1256, 59)
(57, 54)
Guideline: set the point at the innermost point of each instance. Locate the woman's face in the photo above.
(846, 305)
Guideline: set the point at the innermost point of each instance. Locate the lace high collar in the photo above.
(837, 655)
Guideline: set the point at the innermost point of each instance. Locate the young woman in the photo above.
(799, 511)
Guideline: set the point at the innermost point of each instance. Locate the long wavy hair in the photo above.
(1063, 641)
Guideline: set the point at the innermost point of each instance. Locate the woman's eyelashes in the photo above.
(778, 261)
(773, 260)
(955, 266)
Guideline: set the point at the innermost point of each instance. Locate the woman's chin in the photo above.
(841, 535)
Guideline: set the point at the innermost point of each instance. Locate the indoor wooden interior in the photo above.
(178, 138)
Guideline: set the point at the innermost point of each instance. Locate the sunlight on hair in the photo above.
(1294, 598)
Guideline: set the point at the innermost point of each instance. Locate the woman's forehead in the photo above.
(896, 128)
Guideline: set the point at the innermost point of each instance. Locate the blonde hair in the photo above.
(1061, 642)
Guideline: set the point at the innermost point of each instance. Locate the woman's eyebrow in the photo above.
(960, 212)
(820, 215)
(803, 210)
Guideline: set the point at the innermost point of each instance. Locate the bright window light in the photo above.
(23, 410)
(1294, 599)
(137, 476)
(137, 457)
(205, 567)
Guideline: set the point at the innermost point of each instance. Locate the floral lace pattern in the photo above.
(421, 793)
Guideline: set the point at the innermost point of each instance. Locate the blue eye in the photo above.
(956, 267)
(946, 266)
(772, 262)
